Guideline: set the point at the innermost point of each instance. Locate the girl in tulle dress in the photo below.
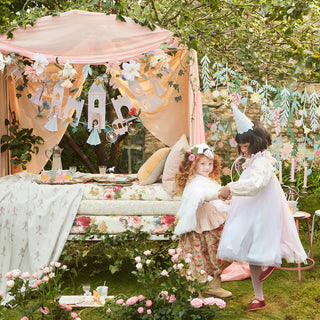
(201, 221)
(94, 138)
(260, 228)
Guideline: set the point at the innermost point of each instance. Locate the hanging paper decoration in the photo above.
(73, 104)
(158, 89)
(37, 97)
(285, 107)
(96, 105)
(145, 102)
(313, 111)
(205, 74)
(57, 97)
(94, 138)
(52, 124)
(120, 125)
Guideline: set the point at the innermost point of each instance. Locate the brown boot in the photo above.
(214, 289)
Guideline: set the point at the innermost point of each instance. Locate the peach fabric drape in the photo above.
(26, 113)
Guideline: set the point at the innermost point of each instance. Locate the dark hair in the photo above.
(258, 137)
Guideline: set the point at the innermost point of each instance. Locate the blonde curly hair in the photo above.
(187, 171)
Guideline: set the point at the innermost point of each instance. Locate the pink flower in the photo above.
(133, 111)
(120, 302)
(140, 310)
(189, 151)
(51, 275)
(187, 260)
(46, 270)
(57, 264)
(179, 250)
(317, 153)
(44, 311)
(175, 258)
(107, 194)
(148, 311)
(147, 252)
(38, 282)
(189, 255)
(172, 298)
(164, 273)
(139, 266)
(141, 297)
(73, 314)
(192, 157)
(26, 275)
(209, 125)
(134, 221)
(171, 252)
(9, 275)
(24, 318)
(148, 303)
(108, 310)
(233, 142)
(35, 275)
(45, 279)
(148, 261)
(298, 123)
(196, 303)
(42, 267)
(83, 221)
(132, 300)
(64, 267)
(1, 294)
(164, 294)
(10, 283)
(210, 278)
(226, 171)
(180, 266)
(34, 286)
(16, 273)
(137, 259)
(206, 134)
(220, 303)
(209, 301)
(167, 220)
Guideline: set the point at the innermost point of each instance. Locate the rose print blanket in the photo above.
(35, 221)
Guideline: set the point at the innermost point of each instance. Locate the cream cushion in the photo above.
(152, 169)
(172, 164)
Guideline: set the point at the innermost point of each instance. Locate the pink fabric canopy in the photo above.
(84, 37)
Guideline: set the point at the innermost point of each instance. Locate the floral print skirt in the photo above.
(203, 247)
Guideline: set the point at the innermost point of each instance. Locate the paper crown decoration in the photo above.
(243, 123)
(199, 149)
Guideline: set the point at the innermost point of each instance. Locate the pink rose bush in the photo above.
(37, 295)
(168, 291)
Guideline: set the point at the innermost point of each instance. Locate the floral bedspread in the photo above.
(116, 208)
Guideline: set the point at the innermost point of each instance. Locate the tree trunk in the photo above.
(80, 153)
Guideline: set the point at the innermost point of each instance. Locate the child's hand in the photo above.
(224, 193)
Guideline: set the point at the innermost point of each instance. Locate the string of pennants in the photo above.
(281, 110)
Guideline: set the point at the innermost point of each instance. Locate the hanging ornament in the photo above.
(132, 129)
(111, 136)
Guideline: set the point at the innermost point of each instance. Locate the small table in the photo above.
(301, 215)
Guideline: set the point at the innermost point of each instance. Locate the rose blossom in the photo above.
(209, 301)
(46, 270)
(148, 261)
(73, 314)
(120, 302)
(10, 283)
(220, 303)
(210, 278)
(171, 252)
(175, 258)
(164, 273)
(196, 303)
(164, 294)
(147, 253)
(64, 267)
(108, 310)
(16, 273)
(9, 275)
(187, 260)
(172, 299)
(26, 275)
(180, 266)
(137, 259)
(51, 275)
(34, 286)
(35, 275)
(139, 265)
(1, 294)
(24, 318)
(148, 311)
(148, 303)
(179, 250)
(44, 311)
(132, 300)
(57, 264)
(45, 279)
(192, 157)
(189, 255)
(140, 310)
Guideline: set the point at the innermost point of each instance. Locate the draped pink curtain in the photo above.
(81, 37)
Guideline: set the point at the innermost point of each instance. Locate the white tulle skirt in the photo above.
(260, 229)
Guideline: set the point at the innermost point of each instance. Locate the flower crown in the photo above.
(204, 149)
